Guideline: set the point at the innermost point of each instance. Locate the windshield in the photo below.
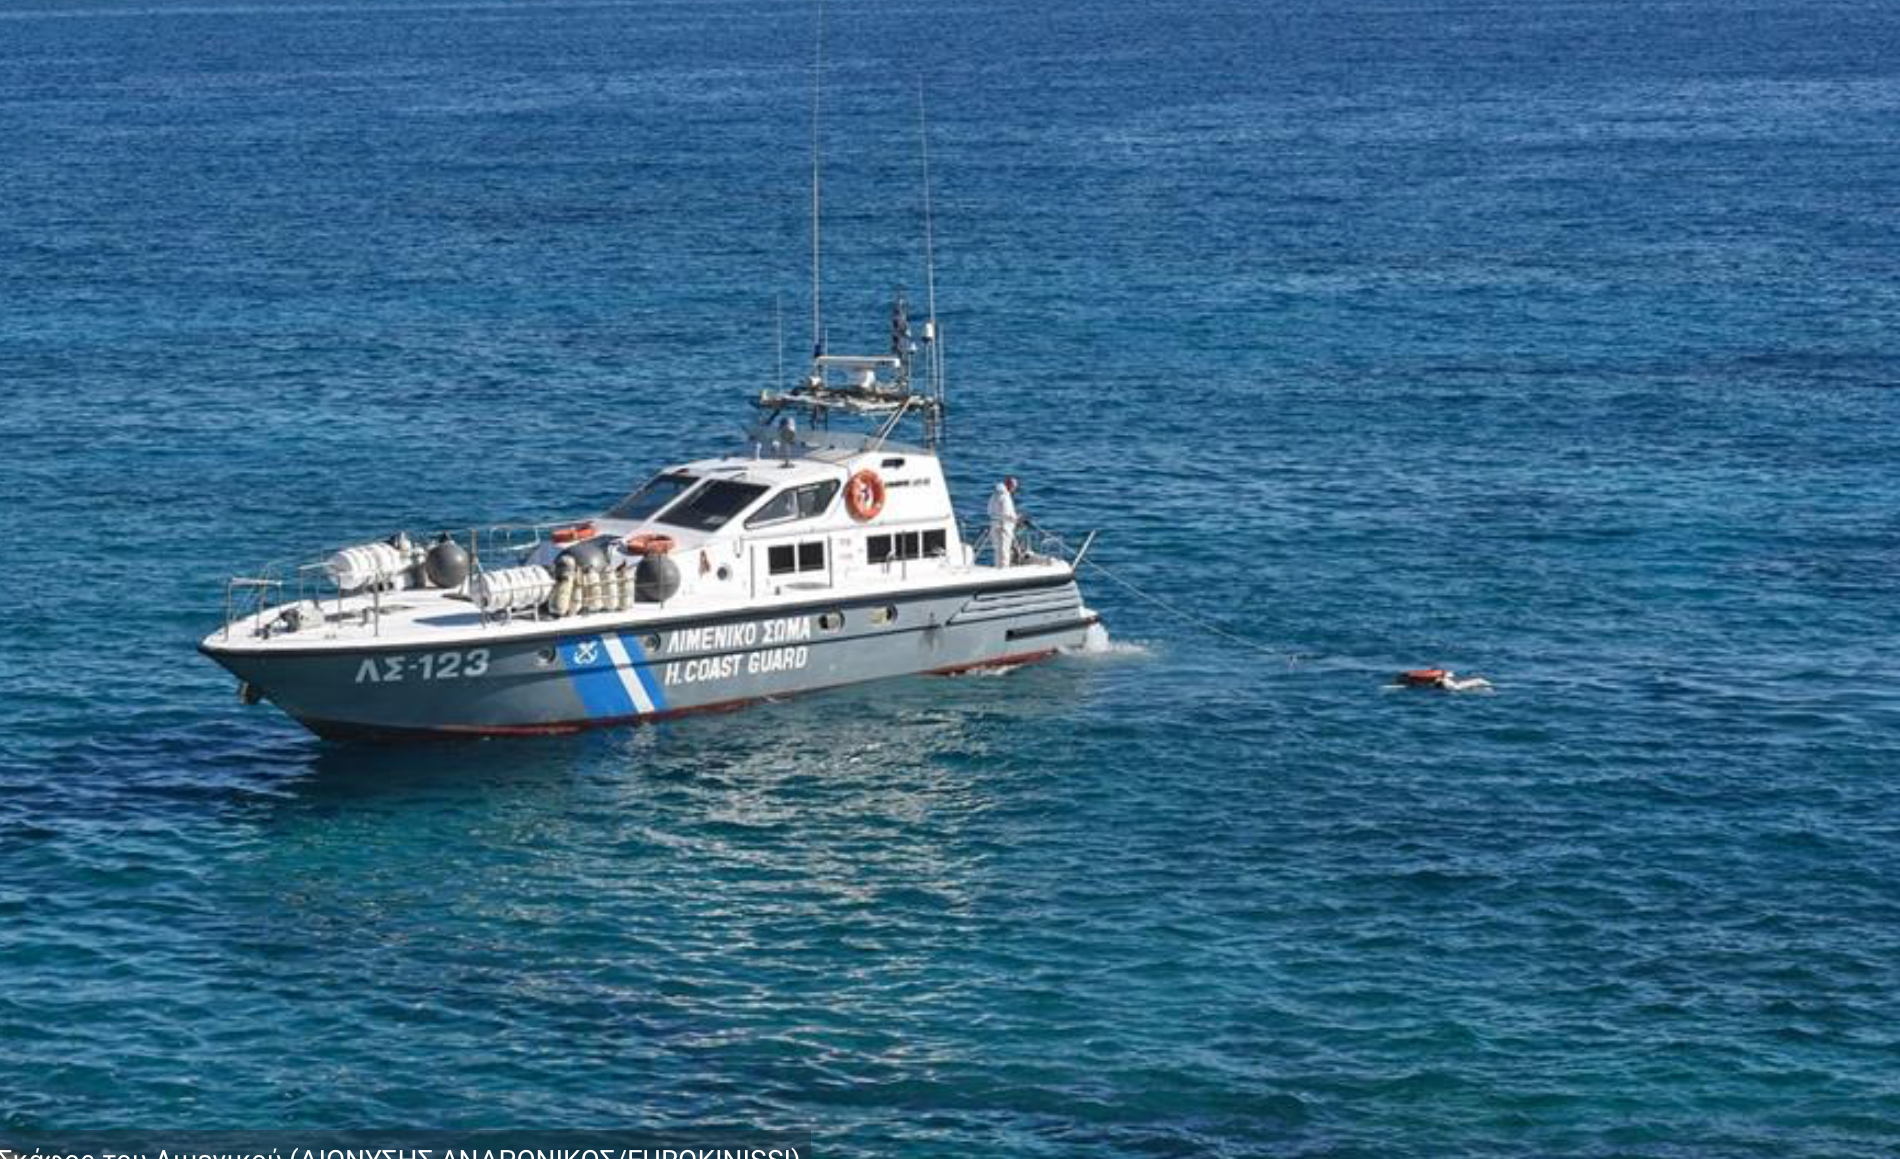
(795, 503)
(713, 505)
(659, 491)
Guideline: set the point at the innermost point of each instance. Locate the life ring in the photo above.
(648, 543)
(574, 534)
(864, 495)
(1422, 676)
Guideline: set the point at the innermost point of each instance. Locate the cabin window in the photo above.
(807, 502)
(883, 616)
(815, 500)
(904, 545)
(782, 506)
(793, 558)
(712, 505)
(649, 499)
(830, 621)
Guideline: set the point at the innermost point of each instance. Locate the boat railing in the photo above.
(291, 583)
(1032, 542)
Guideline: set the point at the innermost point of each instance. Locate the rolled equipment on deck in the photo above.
(355, 568)
(512, 589)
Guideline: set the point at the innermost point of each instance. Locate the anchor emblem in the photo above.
(585, 651)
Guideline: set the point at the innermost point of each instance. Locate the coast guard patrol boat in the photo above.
(814, 556)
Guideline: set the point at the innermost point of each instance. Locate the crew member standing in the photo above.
(1003, 521)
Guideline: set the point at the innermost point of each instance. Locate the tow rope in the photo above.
(1201, 622)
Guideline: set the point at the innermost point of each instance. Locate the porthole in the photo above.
(545, 657)
(830, 621)
(725, 573)
(884, 615)
(651, 643)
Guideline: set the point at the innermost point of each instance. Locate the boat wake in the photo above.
(1097, 645)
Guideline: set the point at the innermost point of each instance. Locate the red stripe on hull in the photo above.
(1014, 661)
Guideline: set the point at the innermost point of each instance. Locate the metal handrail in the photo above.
(1034, 539)
(271, 585)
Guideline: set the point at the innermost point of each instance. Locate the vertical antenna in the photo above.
(817, 279)
(930, 254)
(932, 338)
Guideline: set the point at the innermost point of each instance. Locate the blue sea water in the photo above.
(1552, 339)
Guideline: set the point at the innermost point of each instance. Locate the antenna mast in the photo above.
(875, 386)
(933, 348)
(817, 277)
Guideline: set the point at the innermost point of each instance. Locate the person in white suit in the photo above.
(1003, 520)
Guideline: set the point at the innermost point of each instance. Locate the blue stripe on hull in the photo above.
(596, 680)
(608, 689)
(644, 673)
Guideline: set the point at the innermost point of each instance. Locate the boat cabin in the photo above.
(777, 524)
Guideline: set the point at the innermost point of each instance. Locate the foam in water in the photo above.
(1096, 642)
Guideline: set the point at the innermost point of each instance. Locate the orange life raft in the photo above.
(648, 543)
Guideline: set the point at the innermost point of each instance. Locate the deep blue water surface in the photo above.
(1553, 339)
